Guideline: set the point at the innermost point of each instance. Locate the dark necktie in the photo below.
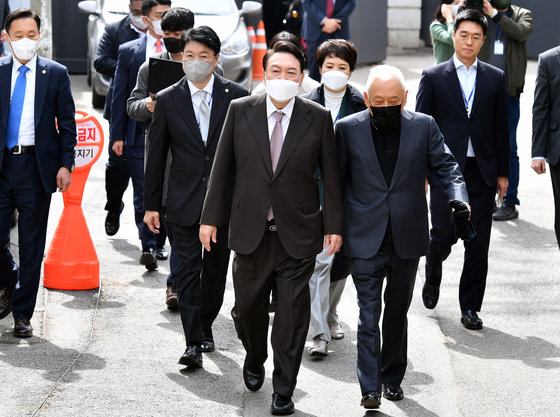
(330, 8)
(16, 107)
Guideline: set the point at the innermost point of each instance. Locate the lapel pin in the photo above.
(44, 71)
(227, 90)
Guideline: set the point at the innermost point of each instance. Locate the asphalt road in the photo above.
(114, 352)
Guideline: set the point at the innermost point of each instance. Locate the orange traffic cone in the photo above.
(259, 49)
(252, 36)
(71, 262)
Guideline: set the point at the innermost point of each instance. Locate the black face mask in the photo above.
(386, 119)
(173, 45)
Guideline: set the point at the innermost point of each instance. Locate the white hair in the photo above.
(385, 73)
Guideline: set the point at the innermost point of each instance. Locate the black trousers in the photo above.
(442, 237)
(385, 364)
(200, 283)
(555, 176)
(21, 188)
(253, 276)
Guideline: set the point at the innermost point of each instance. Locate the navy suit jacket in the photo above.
(369, 201)
(440, 96)
(132, 55)
(316, 11)
(105, 61)
(546, 107)
(174, 127)
(54, 146)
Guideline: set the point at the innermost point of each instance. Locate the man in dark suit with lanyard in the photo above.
(187, 120)
(322, 20)
(546, 125)
(127, 136)
(274, 142)
(116, 172)
(37, 139)
(468, 100)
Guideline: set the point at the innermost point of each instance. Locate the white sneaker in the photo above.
(319, 347)
(337, 332)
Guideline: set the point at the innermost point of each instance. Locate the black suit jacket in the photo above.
(369, 201)
(546, 107)
(105, 60)
(354, 100)
(55, 125)
(440, 96)
(131, 56)
(292, 189)
(174, 127)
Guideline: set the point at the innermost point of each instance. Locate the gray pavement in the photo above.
(114, 351)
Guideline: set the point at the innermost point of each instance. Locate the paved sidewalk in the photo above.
(114, 352)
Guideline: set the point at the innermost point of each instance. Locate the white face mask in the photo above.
(454, 9)
(138, 21)
(281, 90)
(24, 48)
(197, 70)
(156, 26)
(334, 80)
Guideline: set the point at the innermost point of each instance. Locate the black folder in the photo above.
(163, 73)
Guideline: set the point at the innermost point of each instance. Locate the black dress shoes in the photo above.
(281, 406)
(207, 345)
(430, 296)
(6, 294)
(192, 357)
(171, 299)
(148, 259)
(371, 400)
(112, 222)
(22, 328)
(161, 254)
(253, 376)
(470, 320)
(393, 392)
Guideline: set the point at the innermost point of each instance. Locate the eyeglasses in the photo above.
(474, 38)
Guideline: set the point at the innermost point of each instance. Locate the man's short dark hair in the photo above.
(21, 14)
(286, 37)
(286, 47)
(471, 15)
(337, 48)
(177, 18)
(148, 5)
(204, 35)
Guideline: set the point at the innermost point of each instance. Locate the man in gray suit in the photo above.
(385, 154)
(546, 124)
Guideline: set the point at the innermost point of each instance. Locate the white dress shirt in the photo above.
(197, 99)
(151, 45)
(467, 80)
(27, 126)
(271, 108)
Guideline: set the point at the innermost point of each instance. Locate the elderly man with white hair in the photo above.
(385, 155)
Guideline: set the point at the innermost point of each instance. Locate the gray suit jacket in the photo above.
(369, 201)
(546, 107)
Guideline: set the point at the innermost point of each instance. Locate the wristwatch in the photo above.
(68, 167)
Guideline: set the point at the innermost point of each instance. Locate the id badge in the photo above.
(498, 48)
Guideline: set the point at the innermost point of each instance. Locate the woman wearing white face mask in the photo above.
(442, 28)
(336, 59)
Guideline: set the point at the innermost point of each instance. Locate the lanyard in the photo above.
(465, 99)
(338, 114)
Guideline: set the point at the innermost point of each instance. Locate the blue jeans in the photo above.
(513, 179)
